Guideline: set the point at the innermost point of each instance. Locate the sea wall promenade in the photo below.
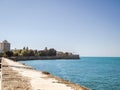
(44, 57)
(16, 76)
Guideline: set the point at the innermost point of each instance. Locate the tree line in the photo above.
(29, 52)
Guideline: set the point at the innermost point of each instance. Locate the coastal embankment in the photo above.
(44, 57)
(17, 76)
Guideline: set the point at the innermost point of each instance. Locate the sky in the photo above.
(85, 27)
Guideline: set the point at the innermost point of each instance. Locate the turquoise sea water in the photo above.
(96, 73)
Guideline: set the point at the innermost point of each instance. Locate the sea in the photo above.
(96, 73)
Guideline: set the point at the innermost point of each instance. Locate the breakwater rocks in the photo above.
(44, 57)
(16, 76)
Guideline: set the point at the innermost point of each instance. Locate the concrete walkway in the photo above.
(36, 80)
(0, 80)
(0, 75)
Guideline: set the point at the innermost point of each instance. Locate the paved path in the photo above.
(0, 76)
(13, 71)
(0, 80)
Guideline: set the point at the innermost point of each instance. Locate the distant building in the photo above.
(64, 54)
(5, 46)
(59, 54)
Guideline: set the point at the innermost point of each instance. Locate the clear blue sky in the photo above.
(87, 27)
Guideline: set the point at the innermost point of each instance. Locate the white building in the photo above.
(5, 46)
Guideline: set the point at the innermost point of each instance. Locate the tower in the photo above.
(5, 46)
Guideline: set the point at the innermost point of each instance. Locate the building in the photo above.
(5, 46)
(64, 54)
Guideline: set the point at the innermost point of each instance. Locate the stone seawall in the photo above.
(16, 76)
(44, 57)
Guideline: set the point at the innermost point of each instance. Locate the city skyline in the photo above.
(86, 27)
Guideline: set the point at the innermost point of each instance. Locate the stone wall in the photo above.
(44, 57)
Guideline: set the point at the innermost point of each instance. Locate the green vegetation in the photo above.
(29, 52)
(6, 54)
